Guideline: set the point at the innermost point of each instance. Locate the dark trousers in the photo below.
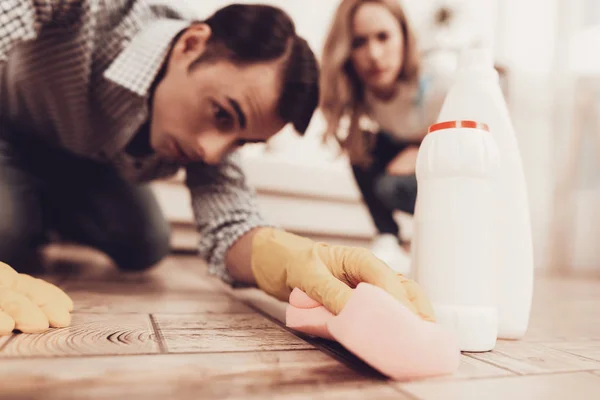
(44, 190)
(383, 193)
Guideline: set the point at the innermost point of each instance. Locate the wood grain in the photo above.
(187, 273)
(3, 340)
(102, 297)
(589, 349)
(280, 374)
(89, 334)
(471, 368)
(275, 310)
(125, 324)
(218, 333)
(238, 322)
(563, 289)
(261, 301)
(72, 263)
(529, 358)
(338, 391)
(570, 320)
(565, 309)
(578, 385)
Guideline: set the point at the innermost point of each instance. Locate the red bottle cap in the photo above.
(458, 124)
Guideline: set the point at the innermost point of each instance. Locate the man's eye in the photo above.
(222, 117)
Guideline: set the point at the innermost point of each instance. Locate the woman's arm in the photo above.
(405, 162)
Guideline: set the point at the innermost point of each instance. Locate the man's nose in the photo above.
(214, 148)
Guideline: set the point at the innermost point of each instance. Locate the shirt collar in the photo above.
(136, 67)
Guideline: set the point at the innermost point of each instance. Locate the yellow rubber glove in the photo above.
(29, 304)
(282, 261)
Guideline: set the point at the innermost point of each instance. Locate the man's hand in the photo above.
(282, 261)
(29, 304)
(404, 163)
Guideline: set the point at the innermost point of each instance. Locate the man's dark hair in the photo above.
(252, 33)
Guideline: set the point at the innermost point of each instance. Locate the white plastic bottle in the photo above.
(476, 95)
(457, 169)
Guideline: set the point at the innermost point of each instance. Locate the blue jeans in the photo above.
(382, 193)
(45, 190)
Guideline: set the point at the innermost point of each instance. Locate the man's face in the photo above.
(204, 113)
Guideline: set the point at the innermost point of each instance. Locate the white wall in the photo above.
(577, 55)
(526, 44)
(536, 43)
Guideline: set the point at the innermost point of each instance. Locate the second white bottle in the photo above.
(457, 166)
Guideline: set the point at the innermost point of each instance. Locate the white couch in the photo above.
(313, 198)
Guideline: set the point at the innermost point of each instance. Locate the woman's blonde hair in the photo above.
(341, 91)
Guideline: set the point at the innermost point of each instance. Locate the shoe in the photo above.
(387, 248)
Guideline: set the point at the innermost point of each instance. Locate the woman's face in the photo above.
(377, 47)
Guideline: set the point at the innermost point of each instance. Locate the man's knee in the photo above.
(18, 244)
(138, 251)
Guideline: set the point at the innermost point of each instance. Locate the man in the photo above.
(97, 98)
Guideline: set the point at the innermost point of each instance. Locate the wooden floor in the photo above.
(175, 333)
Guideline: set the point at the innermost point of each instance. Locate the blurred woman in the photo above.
(372, 77)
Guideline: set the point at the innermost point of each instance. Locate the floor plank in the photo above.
(260, 301)
(102, 297)
(571, 319)
(340, 391)
(187, 273)
(220, 333)
(471, 368)
(276, 310)
(589, 349)
(3, 340)
(123, 322)
(81, 264)
(579, 385)
(89, 334)
(514, 357)
(529, 358)
(279, 374)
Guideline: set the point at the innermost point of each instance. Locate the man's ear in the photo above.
(191, 43)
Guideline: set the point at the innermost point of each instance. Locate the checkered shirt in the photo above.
(77, 74)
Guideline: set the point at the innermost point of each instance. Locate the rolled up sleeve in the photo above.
(225, 209)
(23, 20)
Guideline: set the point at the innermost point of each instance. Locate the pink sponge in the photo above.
(301, 300)
(309, 320)
(306, 315)
(381, 331)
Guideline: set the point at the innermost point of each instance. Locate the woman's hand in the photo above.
(405, 162)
